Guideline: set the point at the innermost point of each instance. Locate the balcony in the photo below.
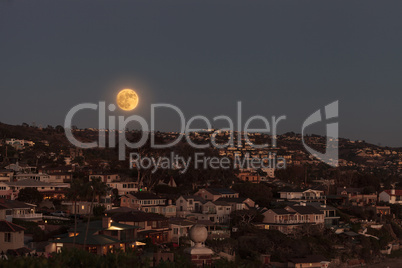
(28, 217)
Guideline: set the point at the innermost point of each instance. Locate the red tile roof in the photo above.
(397, 192)
(6, 226)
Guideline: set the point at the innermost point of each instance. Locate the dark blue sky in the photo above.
(277, 57)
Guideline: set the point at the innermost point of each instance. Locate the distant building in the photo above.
(249, 177)
(84, 207)
(292, 218)
(238, 203)
(152, 226)
(106, 178)
(216, 193)
(42, 177)
(330, 217)
(187, 204)
(123, 187)
(179, 228)
(19, 210)
(6, 175)
(106, 236)
(148, 202)
(302, 195)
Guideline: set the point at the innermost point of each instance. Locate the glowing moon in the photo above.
(127, 99)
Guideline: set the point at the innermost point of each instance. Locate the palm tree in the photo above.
(75, 193)
(96, 188)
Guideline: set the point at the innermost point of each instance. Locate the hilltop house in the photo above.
(214, 211)
(302, 195)
(187, 204)
(123, 187)
(330, 217)
(238, 203)
(291, 218)
(148, 202)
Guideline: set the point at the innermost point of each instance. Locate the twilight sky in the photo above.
(277, 57)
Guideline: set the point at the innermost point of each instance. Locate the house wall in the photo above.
(123, 187)
(127, 201)
(105, 178)
(17, 241)
(269, 216)
(384, 196)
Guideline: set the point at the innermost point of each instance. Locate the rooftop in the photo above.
(6, 226)
(138, 216)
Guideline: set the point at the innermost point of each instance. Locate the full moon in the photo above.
(127, 99)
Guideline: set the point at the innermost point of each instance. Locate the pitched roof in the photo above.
(10, 204)
(6, 226)
(195, 197)
(232, 199)
(321, 206)
(282, 211)
(221, 203)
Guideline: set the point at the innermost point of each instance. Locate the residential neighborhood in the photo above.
(63, 202)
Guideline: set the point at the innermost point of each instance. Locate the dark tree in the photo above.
(30, 195)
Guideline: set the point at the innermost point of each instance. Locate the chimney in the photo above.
(106, 222)
(393, 191)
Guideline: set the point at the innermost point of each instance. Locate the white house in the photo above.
(296, 195)
(391, 196)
